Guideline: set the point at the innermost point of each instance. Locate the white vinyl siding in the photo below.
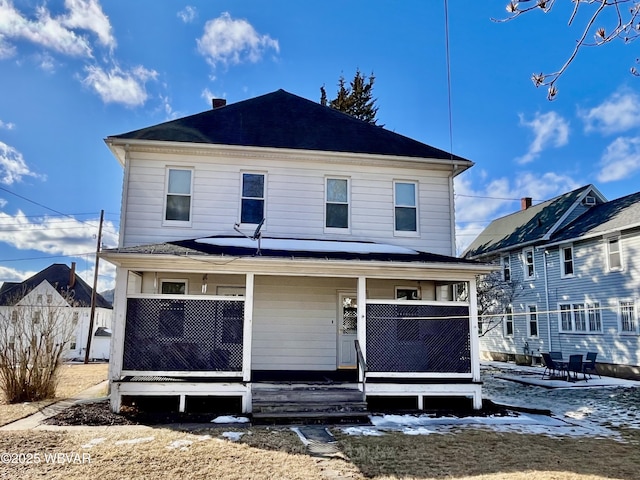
(294, 204)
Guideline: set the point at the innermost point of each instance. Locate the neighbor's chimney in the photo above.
(72, 275)
(218, 102)
(525, 202)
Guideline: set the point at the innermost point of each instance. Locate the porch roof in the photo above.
(291, 248)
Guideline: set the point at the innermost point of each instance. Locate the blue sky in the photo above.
(76, 71)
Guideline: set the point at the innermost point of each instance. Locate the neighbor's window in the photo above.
(252, 202)
(174, 287)
(508, 320)
(337, 203)
(567, 261)
(614, 256)
(72, 346)
(406, 207)
(529, 265)
(178, 197)
(506, 268)
(14, 316)
(580, 317)
(74, 320)
(532, 316)
(628, 321)
(35, 317)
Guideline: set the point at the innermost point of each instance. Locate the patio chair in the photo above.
(575, 366)
(589, 365)
(551, 366)
(556, 355)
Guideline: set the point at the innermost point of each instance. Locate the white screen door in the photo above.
(347, 333)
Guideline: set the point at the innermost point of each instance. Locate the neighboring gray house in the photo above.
(575, 263)
(259, 240)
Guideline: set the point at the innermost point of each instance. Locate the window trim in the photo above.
(563, 261)
(608, 241)
(634, 312)
(406, 233)
(177, 223)
(529, 313)
(344, 230)
(586, 307)
(263, 198)
(509, 318)
(505, 261)
(525, 264)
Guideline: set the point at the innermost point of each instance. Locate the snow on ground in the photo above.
(233, 436)
(578, 409)
(230, 419)
(133, 441)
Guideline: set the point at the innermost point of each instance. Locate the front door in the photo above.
(347, 321)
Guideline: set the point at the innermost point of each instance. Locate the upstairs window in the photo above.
(567, 261)
(337, 203)
(406, 207)
(506, 268)
(614, 255)
(178, 196)
(529, 264)
(252, 202)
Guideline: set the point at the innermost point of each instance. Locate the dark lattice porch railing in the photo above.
(183, 335)
(418, 338)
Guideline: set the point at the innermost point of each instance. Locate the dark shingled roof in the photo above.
(523, 227)
(283, 120)
(58, 276)
(192, 247)
(613, 215)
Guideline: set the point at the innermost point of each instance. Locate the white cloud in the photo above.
(45, 31)
(230, 41)
(88, 15)
(7, 126)
(620, 160)
(61, 236)
(12, 165)
(8, 274)
(549, 129)
(118, 86)
(188, 14)
(478, 205)
(618, 113)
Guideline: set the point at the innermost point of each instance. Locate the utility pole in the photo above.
(93, 291)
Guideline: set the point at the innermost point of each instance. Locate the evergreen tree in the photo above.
(356, 99)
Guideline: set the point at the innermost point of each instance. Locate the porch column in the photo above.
(247, 329)
(361, 326)
(118, 324)
(473, 330)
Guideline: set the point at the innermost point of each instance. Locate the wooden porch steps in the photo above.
(308, 403)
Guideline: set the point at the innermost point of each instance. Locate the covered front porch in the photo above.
(206, 326)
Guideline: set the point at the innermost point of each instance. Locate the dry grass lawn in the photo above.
(73, 379)
(276, 452)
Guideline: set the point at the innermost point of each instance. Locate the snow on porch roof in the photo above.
(291, 248)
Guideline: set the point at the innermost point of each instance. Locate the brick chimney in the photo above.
(72, 275)
(218, 102)
(525, 202)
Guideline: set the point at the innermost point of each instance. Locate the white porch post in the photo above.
(248, 328)
(473, 330)
(361, 326)
(118, 324)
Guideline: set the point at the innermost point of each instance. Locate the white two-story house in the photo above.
(259, 240)
(574, 262)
